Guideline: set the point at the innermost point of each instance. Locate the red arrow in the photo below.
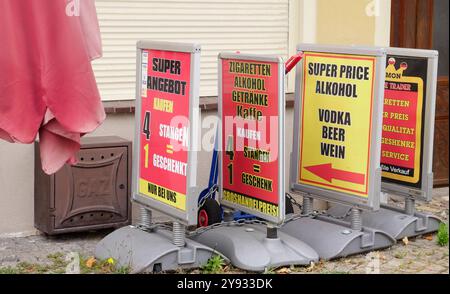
(327, 172)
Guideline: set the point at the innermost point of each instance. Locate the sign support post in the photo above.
(337, 129)
(165, 162)
(409, 107)
(251, 165)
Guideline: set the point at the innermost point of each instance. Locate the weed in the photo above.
(442, 235)
(214, 265)
(400, 254)
(269, 270)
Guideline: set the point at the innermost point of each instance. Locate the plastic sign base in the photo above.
(151, 251)
(333, 238)
(394, 221)
(248, 247)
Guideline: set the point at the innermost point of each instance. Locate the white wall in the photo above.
(16, 188)
(343, 22)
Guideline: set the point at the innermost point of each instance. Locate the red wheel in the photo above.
(209, 213)
(202, 218)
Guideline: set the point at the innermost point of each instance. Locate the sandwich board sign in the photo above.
(408, 122)
(251, 108)
(165, 164)
(337, 126)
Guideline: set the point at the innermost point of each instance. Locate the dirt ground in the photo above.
(44, 254)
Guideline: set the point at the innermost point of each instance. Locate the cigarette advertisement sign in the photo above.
(164, 128)
(403, 118)
(252, 111)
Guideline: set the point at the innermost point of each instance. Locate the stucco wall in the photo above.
(353, 22)
(16, 188)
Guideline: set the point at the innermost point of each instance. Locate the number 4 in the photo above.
(146, 128)
(229, 149)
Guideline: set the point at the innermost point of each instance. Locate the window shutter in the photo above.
(250, 26)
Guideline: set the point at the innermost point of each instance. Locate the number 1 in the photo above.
(230, 170)
(146, 156)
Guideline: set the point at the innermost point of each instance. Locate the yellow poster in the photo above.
(337, 99)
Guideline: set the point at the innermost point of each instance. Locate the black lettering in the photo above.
(332, 150)
(166, 85)
(334, 117)
(166, 66)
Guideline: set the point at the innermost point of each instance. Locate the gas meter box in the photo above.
(92, 194)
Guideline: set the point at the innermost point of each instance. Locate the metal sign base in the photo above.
(151, 251)
(395, 221)
(333, 238)
(250, 248)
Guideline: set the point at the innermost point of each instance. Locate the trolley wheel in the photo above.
(209, 213)
(289, 208)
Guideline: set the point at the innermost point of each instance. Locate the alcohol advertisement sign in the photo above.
(338, 123)
(406, 138)
(251, 95)
(166, 167)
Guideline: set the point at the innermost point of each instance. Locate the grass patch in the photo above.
(335, 272)
(58, 265)
(8, 270)
(442, 235)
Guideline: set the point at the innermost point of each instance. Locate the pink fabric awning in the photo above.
(46, 80)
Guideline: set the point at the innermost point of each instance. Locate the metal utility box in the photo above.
(92, 194)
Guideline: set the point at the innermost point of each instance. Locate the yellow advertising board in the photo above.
(336, 120)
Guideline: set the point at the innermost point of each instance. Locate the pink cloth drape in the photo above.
(46, 80)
